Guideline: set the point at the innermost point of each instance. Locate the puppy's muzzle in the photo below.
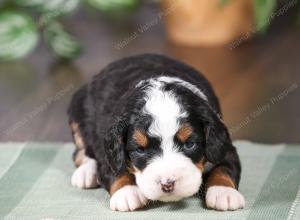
(167, 186)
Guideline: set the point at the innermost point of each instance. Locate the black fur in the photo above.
(108, 109)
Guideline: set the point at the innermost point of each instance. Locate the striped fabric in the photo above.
(35, 184)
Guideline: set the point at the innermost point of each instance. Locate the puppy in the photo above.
(150, 128)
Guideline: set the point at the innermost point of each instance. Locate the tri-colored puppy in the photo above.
(150, 128)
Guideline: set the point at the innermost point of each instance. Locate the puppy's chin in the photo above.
(179, 168)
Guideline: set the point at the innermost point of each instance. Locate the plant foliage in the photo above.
(23, 21)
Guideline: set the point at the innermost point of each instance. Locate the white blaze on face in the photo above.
(166, 112)
(172, 164)
(185, 84)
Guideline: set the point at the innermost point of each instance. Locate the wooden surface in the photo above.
(35, 92)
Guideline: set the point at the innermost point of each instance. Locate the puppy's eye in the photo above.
(189, 144)
(140, 150)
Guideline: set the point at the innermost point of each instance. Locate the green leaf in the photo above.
(263, 11)
(55, 6)
(61, 42)
(51, 13)
(18, 35)
(113, 5)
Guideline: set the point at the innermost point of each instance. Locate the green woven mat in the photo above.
(35, 184)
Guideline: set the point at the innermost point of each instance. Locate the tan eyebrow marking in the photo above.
(140, 138)
(184, 132)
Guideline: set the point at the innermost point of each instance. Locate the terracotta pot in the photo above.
(206, 22)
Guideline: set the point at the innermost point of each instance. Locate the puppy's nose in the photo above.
(167, 186)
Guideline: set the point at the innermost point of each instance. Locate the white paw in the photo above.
(128, 198)
(224, 198)
(85, 176)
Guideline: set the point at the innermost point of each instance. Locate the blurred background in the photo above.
(248, 49)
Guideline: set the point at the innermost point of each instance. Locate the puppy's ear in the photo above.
(217, 138)
(115, 142)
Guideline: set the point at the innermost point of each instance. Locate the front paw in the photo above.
(85, 176)
(128, 198)
(224, 198)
